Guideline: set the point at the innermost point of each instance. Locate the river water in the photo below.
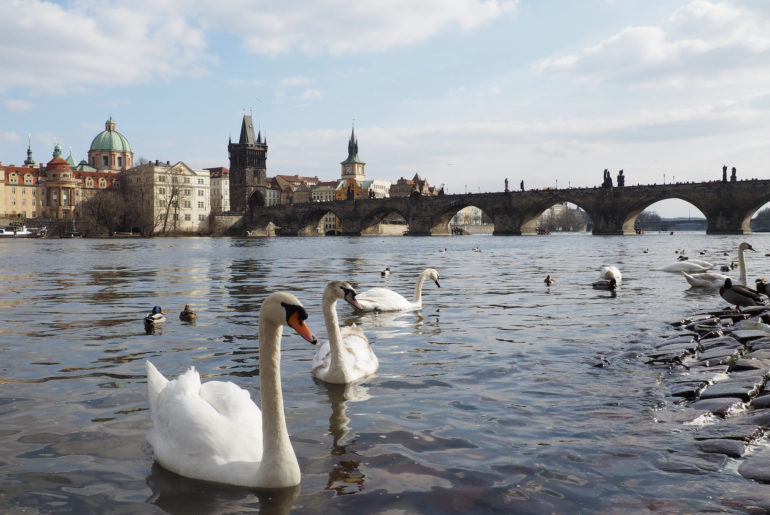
(499, 395)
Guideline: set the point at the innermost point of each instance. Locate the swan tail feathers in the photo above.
(155, 384)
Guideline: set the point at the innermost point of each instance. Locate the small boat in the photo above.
(21, 231)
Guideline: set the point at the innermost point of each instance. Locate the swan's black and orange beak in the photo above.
(350, 298)
(295, 318)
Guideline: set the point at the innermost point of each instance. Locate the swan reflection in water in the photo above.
(344, 477)
(177, 494)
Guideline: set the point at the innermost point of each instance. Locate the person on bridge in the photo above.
(522, 185)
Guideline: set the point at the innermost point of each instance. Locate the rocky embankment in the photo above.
(723, 364)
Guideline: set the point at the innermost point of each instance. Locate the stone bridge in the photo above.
(728, 207)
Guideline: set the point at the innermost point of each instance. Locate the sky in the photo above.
(466, 93)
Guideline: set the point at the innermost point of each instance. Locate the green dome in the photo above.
(110, 139)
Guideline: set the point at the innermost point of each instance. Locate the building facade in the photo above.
(177, 197)
(220, 189)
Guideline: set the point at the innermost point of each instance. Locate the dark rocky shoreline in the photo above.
(723, 360)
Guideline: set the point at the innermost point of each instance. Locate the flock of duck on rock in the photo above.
(214, 432)
(698, 275)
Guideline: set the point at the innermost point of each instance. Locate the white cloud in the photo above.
(311, 94)
(701, 44)
(17, 105)
(296, 81)
(53, 49)
(319, 27)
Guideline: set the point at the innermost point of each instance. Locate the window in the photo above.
(89, 183)
(187, 204)
(200, 193)
(24, 191)
(187, 217)
(120, 161)
(186, 192)
(28, 179)
(161, 178)
(187, 180)
(13, 190)
(200, 205)
(200, 180)
(33, 202)
(161, 191)
(105, 160)
(102, 183)
(200, 218)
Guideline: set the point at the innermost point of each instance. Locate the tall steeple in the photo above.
(29, 161)
(353, 167)
(248, 168)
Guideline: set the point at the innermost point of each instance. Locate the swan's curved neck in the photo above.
(333, 330)
(278, 458)
(742, 267)
(418, 288)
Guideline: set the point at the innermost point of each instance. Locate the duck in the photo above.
(549, 280)
(347, 356)
(739, 295)
(476, 249)
(715, 280)
(606, 284)
(213, 431)
(611, 272)
(386, 272)
(187, 314)
(762, 287)
(155, 316)
(383, 299)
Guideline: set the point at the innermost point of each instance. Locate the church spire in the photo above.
(29, 161)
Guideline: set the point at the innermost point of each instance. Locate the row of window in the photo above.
(162, 178)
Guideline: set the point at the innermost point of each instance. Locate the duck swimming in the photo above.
(155, 317)
(606, 284)
(549, 280)
(386, 272)
(187, 314)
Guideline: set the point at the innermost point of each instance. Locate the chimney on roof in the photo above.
(168, 162)
(156, 161)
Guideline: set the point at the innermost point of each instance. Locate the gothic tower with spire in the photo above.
(353, 167)
(248, 169)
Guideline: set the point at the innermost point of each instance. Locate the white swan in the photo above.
(347, 356)
(214, 431)
(383, 299)
(715, 280)
(705, 279)
(684, 266)
(611, 272)
(700, 262)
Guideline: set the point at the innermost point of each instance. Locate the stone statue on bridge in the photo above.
(724, 173)
(522, 185)
(621, 179)
(734, 176)
(607, 179)
(506, 185)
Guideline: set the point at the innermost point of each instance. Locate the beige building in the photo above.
(178, 197)
(220, 189)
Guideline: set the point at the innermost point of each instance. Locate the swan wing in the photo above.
(383, 299)
(211, 431)
(683, 266)
(358, 358)
(705, 279)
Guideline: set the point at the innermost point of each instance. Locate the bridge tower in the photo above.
(248, 169)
